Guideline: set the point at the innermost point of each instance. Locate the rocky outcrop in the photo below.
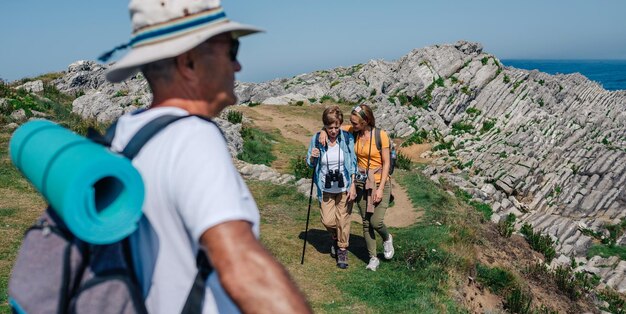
(546, 148)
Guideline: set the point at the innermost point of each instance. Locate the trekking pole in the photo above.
(308, 213)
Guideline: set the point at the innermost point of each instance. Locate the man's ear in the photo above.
(185, 66)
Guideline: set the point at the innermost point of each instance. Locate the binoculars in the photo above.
(332, 176)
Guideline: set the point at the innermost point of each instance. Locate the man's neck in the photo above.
(194, 107)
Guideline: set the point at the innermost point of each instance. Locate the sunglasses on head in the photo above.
(358, 110)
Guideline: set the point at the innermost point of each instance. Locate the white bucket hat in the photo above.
(167, 28)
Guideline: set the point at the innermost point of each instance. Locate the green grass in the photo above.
(257, 146)
(496, 279)
(607, 251)
(417, 280)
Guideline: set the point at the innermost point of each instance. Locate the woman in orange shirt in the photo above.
(372, 185)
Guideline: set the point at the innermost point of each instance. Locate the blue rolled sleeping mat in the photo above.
(98, 194)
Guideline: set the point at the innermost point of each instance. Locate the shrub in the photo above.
(326, 98)
(443, 146)
(418, 137)
(507, 226)
(253, 104)
(312, 100)
(257, 147)
(403, 162)
(373, 92)
(121, 93)
(488, 125)
(419, 102)
(465, 90)
(540, 243)
(540, 102)
(333, 84)
(518, 302)
(234, 117)
(473, 111)
(439, 82)
(484, 60)
(300, 169)
(461, 127)
(617, 303)
(506, 79)
(299, 103)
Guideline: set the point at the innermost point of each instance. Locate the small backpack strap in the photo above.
(146, 133)
(195, 299)
(379, 143)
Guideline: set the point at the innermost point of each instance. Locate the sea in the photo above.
(611, 74)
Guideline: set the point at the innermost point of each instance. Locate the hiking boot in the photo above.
(373, 264)
(388, 248)
(333, 249)
(342, 259)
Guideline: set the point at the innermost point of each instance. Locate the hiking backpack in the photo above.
(392, 149)
(56, 272)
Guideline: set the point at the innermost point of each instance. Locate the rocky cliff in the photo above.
(545, 148)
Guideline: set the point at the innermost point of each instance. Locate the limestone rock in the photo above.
(32, 86)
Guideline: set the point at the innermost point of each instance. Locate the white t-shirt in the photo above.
(191, 185)
(333, 160)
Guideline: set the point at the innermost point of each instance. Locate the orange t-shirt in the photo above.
(362, 149)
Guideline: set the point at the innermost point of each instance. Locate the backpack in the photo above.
(392, 150)
(56, 272)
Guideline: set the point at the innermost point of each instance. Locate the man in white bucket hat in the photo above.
(196, 201)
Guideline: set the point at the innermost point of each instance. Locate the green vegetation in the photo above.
(234, 117)
(465, 90)
(373, 92)
(518, 301)
(440, 82)
(257, 146)
(540, 243)
(418, 137)
(326, 98)
(540, 102)
(121, 93)
(507, 226)
(403, 162)
(616, 301)
(488, 125)
(506, 79)
(334, 83)
(484, 60)
(480, 207)
(300, 168)
(299, 103)
(253, 104)
(473, 111)
(496, 279)
(461, 127)
(312, 100)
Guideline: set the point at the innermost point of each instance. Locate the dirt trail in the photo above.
(301, 122)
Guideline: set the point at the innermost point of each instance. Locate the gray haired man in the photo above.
(195, 199)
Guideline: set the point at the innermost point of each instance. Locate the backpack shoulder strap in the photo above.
(146, 133)
(379, 143)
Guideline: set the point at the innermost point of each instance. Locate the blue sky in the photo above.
(303, 36)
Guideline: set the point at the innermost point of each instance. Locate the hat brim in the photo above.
(129, 65)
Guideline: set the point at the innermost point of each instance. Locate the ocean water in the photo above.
(611, 74)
